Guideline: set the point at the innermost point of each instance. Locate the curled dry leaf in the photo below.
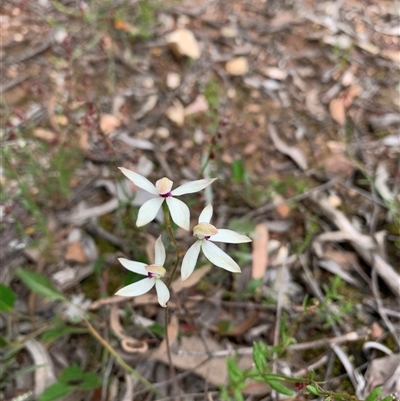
(294, 153)
(260, 251)
(146, 108)
(128, 343)
(384, 371)
(44, 373)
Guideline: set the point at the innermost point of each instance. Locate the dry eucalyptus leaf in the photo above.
(314, 106)
(384, 372)
(338, 111)
(146, 107)
(176, 113)
(44, 373)
(182, 42)
(192, 352)
(108, 123)
(294, 153)
(237, 66)
(260, 251)
(45, 135)
(200, 105)
(75, 253)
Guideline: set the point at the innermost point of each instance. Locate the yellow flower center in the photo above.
(204, 230)
(155, 271)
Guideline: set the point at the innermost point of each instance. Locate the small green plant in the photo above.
(333, 297)
(238, 378)
(71, 379)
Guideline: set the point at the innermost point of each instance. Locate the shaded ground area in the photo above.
(292, 105)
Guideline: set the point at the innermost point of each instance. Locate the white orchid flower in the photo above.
(154, 275)
(179, 211)
(205, 233)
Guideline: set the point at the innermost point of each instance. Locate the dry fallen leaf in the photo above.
(128, 343)
(176, 113)
(260, 251)
(384, 371)
(182, 42)
(237, 66)
(75, 253)
(337, 110)
(45, 135)
(108, 123)
(294, 153)
(199, 105)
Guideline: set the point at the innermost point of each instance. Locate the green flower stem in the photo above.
(179, 254)
(118, 358)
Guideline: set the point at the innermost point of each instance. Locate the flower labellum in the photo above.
(163, 191)
(205, 234)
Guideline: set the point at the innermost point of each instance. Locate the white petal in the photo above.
(138, 288)
(192, 186)
(189, 260)
(162, 293)
(139, 180)
(206, 214)
(159, 258)
(136, 267)
(148, 211)
(229, 236)
(179, 212)
(219, 258)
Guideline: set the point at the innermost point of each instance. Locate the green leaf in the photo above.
(238, 395)
(312, 389)
(39, 284)
(280, 388)
(234, 372)
(388, 398)
(57, 332)
(7, 298)
(56, 391)
(374, 394)
(90, 381)
(71, 374)
(259, 357)
(3, 341)
(238, 171)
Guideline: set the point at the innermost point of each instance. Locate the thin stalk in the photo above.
(118, 358)
(179, 256)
